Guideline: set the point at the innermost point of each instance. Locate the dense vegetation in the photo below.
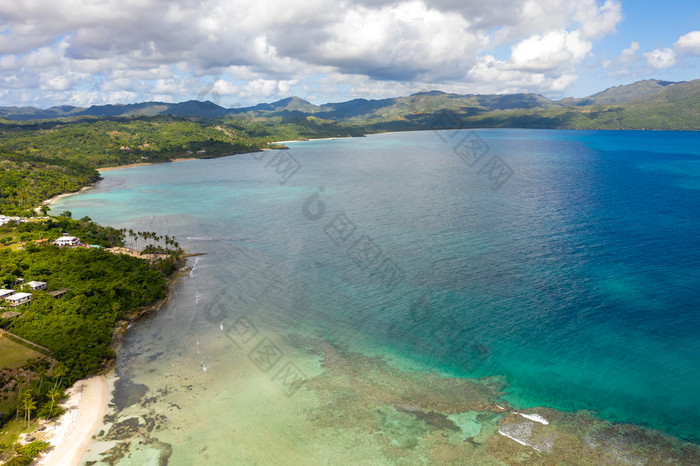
(103, 289)
(26, 180)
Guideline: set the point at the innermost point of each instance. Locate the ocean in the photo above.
(399, 298)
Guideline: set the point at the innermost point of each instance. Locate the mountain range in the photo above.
(648, 104)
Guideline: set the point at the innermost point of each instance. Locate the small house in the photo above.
(18, 299)
(67, 241)
(34, 285)
(5, 293)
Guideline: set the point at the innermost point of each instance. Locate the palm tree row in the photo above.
(143, 240)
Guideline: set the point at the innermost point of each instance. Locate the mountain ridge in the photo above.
(642, 104)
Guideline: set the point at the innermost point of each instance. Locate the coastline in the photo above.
(52, 200)
(70, 435)
(313, 139)
(140, 164)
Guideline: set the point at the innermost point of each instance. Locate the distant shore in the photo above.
(313, 139)
(183, 159)
(52, 200)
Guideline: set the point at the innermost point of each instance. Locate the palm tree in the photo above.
(28, 405)
(58, 372)
(14, 457)
(53, 394)
(41, 371)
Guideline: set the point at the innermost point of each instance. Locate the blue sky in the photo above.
(235, 52)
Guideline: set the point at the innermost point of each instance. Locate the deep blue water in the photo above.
(573, 269)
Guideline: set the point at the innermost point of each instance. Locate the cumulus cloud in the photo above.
(598, 21)
(689, 43)
(86, 51)
(661, 58)
(647, 64)
(549, 52)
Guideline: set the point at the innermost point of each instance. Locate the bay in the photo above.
(563, 265)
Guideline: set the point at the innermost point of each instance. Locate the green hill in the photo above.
(622, 94)
(648, 104)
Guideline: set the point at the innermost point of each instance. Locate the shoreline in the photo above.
(313, 139)
(52, 200)
(141, 164)
(70, 434)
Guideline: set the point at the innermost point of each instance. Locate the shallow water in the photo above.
(563, 264)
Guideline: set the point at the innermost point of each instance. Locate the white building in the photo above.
(34, 285)
(18, 299)
(4, 293)
(4, 219)
(66, 240)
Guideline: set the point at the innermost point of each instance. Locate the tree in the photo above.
(41, 371)
(115, 311)
(28, 405)
(66, 213)
(59, 371)
(54, 394)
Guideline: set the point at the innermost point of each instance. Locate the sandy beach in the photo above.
(184, 159)
(71, 434)
(52, 200)
(312, 139)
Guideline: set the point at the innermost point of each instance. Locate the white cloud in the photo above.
(625, 63)
(399, 42)
(490, 75)
(688, 44)
(552, 51)
(629, 54)
(266, 88)
(597, 21)
(659, 58)
(223, 87)
(139, 50)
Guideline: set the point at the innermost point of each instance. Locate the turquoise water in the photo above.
(574, 273)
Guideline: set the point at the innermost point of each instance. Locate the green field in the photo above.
(13, 354)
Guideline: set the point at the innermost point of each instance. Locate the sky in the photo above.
(242, 52)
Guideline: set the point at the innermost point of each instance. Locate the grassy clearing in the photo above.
(13, 354)
(10, 431)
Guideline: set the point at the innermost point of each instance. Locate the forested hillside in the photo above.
(102, 287)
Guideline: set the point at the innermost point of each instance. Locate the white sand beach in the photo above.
(50, 201)
(312, 139)
(140, 164)
(70, 435)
